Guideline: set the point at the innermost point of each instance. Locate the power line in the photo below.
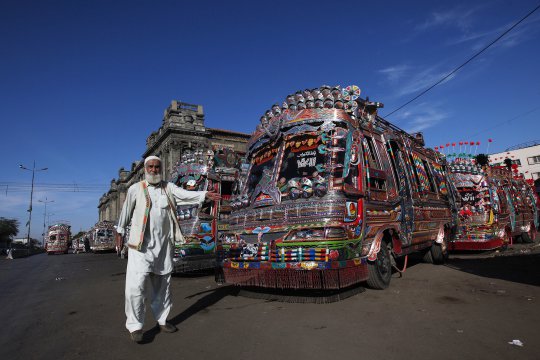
(466, 62)
(22, 187)
(508, 121)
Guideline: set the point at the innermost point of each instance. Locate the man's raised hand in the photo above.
(212, 195)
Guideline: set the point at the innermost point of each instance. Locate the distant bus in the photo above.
(58, 239)
(102, 237)
(496, 207)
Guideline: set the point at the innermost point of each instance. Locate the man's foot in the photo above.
(136, 336)
(167, 328)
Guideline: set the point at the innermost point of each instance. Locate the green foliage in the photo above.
(8, 228)
(78, 235)
(482, 159)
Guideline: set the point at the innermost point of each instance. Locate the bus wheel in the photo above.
(380, 270)
(427, 257)
(528, 237)
(439, 253)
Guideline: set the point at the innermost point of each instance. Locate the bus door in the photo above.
(511, 205)
(402, 176)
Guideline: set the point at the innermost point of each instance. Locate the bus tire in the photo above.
(380, 270)
(526, 238)
(438, 255)
(428, 257)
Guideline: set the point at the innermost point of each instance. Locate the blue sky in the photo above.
(83, 83)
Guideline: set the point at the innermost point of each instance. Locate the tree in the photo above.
(8, 229)
(482, 159)
(78, 235)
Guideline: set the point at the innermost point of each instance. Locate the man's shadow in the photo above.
(211, 297)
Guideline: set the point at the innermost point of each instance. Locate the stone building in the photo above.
(182, 129)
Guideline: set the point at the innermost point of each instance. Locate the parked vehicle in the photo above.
(78, 245)
(524, 214)
(496, 207)
(198, 170)
(334, 196)
(58, 239)
(102, 237)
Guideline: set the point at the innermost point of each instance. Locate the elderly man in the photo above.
(150, 207)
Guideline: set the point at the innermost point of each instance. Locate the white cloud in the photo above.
(422, 117)
(395, 73)
(456, 18)
(407, 80)
(78, 208)
(10, 202)
(479, 39)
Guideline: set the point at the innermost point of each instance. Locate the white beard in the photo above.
(152, 179)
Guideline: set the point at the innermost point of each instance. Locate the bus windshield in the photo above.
(302, 157)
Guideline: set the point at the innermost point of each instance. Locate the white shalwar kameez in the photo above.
(153, 263)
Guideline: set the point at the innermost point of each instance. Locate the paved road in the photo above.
(71, 307)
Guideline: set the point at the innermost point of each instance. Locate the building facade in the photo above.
(527, 158)
(182, 129)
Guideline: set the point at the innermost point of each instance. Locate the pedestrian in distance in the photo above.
(150, 209)
(86, 244)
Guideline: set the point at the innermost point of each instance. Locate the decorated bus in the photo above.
(58, 239)
(102, 237)
(496, 205)
(218, 170)
(335, 195)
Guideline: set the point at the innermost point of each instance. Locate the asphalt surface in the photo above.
(72, 307)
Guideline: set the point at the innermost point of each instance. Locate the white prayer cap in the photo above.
(151, 158)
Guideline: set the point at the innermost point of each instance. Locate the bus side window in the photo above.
(494, 198)
(387, 166)
(503, 199)
(373, 161)
(392, 148)
(418, 187)
(432, 186)
(377, 177)
(440, 180)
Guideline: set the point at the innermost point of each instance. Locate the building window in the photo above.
(533, 160)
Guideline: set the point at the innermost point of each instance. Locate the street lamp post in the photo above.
(33, 170)
(49, 218)
(44, 216)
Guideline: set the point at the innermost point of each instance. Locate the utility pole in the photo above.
(44, 216)
(33, 170)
